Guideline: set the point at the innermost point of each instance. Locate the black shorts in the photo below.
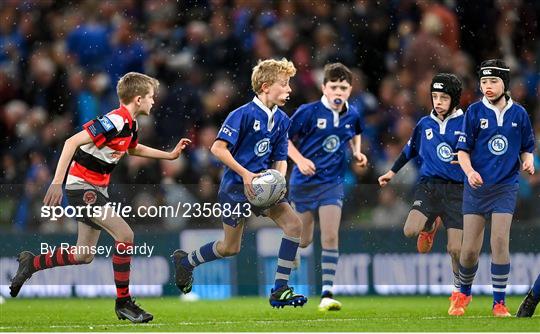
(438, 197)
(84, 197)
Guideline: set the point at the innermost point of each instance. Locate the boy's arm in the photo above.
(305, 166)
(149, 152)
(355, 144)
(473, 177)
(220, 150)
(280, 166)
(54, 193)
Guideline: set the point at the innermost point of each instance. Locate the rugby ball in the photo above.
(269, 188)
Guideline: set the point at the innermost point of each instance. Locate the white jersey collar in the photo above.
(443, 124)
(269, 112)
(498, 114)
(326, 104)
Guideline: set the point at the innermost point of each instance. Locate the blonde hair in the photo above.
(134, 84)
(267, 71)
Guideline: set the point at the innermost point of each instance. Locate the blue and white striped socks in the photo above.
(287, 253)
(466, 276)
(204, 254)
(499, 279)
(329, 261)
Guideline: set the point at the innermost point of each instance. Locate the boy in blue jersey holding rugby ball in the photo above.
(497, 134)
(322, 130)
(253, 138)
(439, 190)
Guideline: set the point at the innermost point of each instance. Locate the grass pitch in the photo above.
(254, 314)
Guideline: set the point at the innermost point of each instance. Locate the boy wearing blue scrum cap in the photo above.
(497, 134)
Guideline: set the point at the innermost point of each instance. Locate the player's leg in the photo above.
(473, 236)
(286, 218)
(306, 238)
(61, 256)
(453, 248)
(123, 237)
(528, 305)
(330, 218)
(500, 260)
(185, 262)
(422, 221)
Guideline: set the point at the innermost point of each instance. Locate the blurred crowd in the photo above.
(60, 61)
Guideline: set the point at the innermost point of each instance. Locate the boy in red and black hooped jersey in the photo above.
(91, 156)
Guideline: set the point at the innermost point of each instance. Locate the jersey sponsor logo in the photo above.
(331, 143)
(514, 125)
(93, 130)
(457, 133)
(429, 134)
(462, 139)
(321, 123)
(484, 123)
(417, 203)
(498, 145)
(486, 72)
(347, 126)
(106, 123)
(257, 125)
(444, 152)
(227, 130)
(262, 147)
(438, 85)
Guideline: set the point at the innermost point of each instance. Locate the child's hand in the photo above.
(247, 178)
(182, 144)
(475, 180)
(528, 166)
(306, 167)
(361, 159)
(384, 179)
(54, 195)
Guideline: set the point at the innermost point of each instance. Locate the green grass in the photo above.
(254, 314)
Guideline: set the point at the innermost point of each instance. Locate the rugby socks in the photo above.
(466, 277)
(61, 256)
(499, 279)
(287, 253)
(457, 281)
(329, 261)
(204, 254)
(121, 261)
(536, 287)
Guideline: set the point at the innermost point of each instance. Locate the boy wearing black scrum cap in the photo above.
(439, 190)
(497, 134)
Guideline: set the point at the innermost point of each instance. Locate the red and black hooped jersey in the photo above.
(112, 135)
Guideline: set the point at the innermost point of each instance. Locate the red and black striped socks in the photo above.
(121, 261)
(61, 256)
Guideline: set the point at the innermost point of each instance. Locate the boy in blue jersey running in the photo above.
(528, 305)
(322, 130)
(252, 139)
(439, 190)
(497, 133)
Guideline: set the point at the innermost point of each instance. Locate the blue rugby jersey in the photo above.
(496, 139)
(257, 137)
(435, 141)
(322, 135)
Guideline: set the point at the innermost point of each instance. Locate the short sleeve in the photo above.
(281, 148)
(101, 130)
(230, 130)
(467, 138)
(527, 135)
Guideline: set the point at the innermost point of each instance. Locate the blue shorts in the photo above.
(240, 208)
(488, 199)
(310, 197)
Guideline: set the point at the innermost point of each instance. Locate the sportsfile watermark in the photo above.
(115, 209)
